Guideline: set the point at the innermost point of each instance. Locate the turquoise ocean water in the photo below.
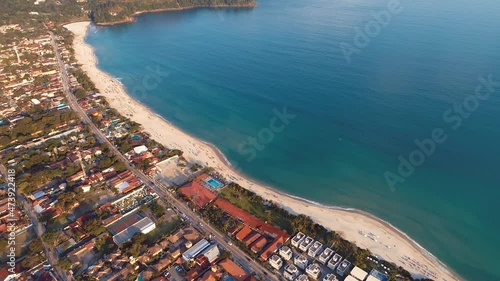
(228, 69)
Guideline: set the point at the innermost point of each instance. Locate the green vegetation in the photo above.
(30, 127)
(111, 11)
(64, 263)
(268, 211)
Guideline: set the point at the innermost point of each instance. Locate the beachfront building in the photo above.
(306, 244)
(276, 262)
(343, 267)
(375, 275)
(302, 277)
(195, 250)
(358, 273)
(301, 261)
(327, 254)
(334, 261)
(313, 270)
(286, 253)
(330, 277)
(291, 272)
(315, 249)
(297, 239)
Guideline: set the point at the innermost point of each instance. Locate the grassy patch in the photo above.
(255, 205)
(164, 228)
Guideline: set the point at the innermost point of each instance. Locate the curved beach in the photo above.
(386, 241)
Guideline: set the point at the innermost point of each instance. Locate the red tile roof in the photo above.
(244, 232)
(234, 270)
(197, 193)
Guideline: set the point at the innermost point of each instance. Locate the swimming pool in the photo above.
(136, 137)
(215, 184)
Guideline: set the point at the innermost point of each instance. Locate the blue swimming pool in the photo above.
(136, 137)
(215, 184)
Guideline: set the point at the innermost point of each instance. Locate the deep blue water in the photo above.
(228, 69)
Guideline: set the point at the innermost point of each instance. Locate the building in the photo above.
(291, 272)
(343, 267)
(315, 249)
(302, 277)
(286, 253)
(297, 239)
(327, 254)
(358, 273)
(276, 262)
(234, 270)
(211, 253)
(244, 232)
(306, 244)
(140, 149)
(330, 277)
(350, 278)
(301, 261)
(197, 193)
(126, 227)
(375, 275)
(334, 261)
(195, 250)
(313, 270)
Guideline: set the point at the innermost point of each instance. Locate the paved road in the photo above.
(238, 255)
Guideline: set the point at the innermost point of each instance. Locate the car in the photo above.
(230, 243)
(166, 273)
(178, 268)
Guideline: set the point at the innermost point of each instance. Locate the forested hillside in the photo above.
(39, 12)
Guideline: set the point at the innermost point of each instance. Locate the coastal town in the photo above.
(90, 192)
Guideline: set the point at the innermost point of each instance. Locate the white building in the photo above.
(306, 244)
(343, 267)
(140, 149)
(350, 278)
(334, 261)
(358, 273)
(195, 250)
(301, 261)
(291, 272)
(302, 277)
(276, 262)
(144, 226)
(330, 277)
(297, 239)
(315, 249)
(313, 270)
(327, 254)
(286, 253)
(211, 253)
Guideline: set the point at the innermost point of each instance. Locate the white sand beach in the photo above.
(364, 229)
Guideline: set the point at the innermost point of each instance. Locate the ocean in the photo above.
(373, 105)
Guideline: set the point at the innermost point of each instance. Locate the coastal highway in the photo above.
(238, 255)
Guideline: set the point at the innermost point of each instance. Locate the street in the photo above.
(238, 255)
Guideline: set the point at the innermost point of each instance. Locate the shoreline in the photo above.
(133, 17)
(348, 222)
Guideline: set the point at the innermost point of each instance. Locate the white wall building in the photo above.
(334, 261)
(301, 261)
(276, 262)
(306, 244)
(297, 239)
(315, 249)
(313, 270)
(325, 255)
(286, 253)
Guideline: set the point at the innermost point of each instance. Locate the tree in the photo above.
(64, 263)
(36, 246)
(157, 209)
